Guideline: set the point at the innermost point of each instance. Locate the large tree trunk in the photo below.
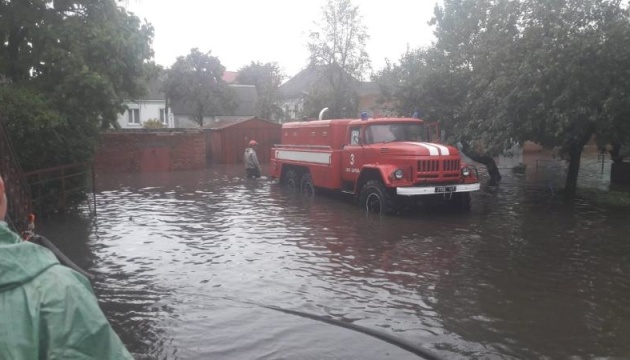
(487, 161)
(575, 154)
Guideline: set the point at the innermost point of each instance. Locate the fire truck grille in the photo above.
(437, 168)
(428, 166)
(451, 165)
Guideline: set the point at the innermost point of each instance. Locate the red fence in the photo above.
(146, 151)
(51, 188)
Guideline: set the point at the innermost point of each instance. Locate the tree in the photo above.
(577, 63)
(196, 81)
(75, 62)
(438, 81)
(337, 51)
(267, 78)
(559, 79)
(506, 71)
(474, 46)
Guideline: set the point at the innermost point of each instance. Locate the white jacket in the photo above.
(251, 160)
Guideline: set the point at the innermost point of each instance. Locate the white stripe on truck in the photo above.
(443, 149)
(306, 156)
(434, 149)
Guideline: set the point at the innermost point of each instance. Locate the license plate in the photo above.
(442, 189)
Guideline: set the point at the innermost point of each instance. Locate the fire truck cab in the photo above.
(384, 162)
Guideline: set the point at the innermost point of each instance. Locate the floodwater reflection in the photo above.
(183, 258)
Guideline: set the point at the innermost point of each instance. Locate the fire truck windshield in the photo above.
(383, 133)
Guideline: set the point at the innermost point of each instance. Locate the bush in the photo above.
(153, 124)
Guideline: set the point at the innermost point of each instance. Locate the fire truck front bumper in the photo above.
(437, 189)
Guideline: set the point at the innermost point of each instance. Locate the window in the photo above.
(354, 136)
(134, 116)
(163, 118)
(383, 133)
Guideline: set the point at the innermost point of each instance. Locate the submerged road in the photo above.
(183, 261)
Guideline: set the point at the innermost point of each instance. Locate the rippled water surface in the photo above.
(183, 261)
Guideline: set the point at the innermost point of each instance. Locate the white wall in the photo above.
(149, 109)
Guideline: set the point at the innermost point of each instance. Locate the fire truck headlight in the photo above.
(466, 171)
(398, 174)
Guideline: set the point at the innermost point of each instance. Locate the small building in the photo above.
(151, 106)
(227, 139)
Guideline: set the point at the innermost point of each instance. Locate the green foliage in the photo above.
(267, 78)
(423, 81)
(505, 71)
(337, 50)
(67, 68)
(33, 127)
(153, 124)
(342, 101)
(196, 82)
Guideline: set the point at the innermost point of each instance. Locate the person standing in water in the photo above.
(252, 166)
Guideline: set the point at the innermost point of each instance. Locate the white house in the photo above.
(152, 106)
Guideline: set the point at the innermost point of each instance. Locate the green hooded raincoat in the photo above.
(48, 311)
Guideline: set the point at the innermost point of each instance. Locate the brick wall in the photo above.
(146, 151)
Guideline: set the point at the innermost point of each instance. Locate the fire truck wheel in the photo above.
(306, 185)
(291, 180)
(376, 199)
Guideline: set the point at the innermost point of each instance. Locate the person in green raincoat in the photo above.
(47, 311)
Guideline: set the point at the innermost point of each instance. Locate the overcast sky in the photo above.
(241, 31)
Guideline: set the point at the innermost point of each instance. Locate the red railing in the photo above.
(40, 190)
(51, 187)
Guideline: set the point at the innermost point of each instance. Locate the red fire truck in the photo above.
(385, 163)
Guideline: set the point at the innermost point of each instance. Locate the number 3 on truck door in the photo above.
(352, 155)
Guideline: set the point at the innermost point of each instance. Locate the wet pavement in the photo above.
(184, 260)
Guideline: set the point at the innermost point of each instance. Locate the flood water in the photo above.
(184, 260)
